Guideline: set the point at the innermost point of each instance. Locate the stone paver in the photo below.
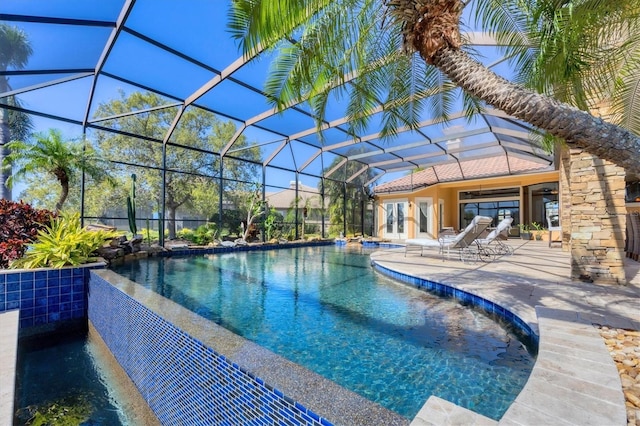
(574, 381)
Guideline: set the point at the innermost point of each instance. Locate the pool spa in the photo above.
(327, 310)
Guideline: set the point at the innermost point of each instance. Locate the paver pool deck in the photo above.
(574, 381)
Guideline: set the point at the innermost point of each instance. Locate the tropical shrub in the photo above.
(63, 243)
(19, 225)
(203, 235)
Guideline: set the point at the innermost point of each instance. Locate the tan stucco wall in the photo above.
(449, 193)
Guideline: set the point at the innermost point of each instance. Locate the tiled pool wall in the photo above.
(237, 248)
(467, 298)
(46, 296)
(184, 381)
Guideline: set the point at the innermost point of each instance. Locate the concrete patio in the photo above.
(575, 380)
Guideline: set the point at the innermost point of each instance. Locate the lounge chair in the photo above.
(495, 239)
(464, 242)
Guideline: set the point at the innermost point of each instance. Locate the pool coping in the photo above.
(574, 380)
(9, 322)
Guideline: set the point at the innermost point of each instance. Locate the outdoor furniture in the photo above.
(464, 242)
(553, 224)
(497, 236)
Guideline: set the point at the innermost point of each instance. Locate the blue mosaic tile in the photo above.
(40, 275)
(27, 304)
(27, 276)
(26, 285)
(12, 278)
(184, 381)
(3, 285)
(26, 322)
(13, 285)
(15, 304)
(13, 296)
(40, 283)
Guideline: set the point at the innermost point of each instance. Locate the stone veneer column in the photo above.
(564, 197)
(597, 218)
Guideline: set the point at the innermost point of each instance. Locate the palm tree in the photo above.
(583, 53)
(14, 53)
(384, 50)
(50, 154)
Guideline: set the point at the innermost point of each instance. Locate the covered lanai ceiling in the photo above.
(86, 53)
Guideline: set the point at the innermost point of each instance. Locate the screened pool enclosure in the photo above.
(161, 90)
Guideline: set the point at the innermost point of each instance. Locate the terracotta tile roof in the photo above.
(470, 169)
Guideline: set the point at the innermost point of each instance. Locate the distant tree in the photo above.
(50, 154)
(15, 50)
(192, 181)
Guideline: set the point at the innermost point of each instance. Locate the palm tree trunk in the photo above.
(576, 127)
(63, 194)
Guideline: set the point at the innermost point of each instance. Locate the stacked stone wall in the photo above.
(596, 217)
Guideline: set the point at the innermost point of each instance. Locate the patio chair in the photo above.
(464, 242)
(553, 224)
(496, 238)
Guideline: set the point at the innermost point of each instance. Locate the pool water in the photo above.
(55, 374)
(326, 308)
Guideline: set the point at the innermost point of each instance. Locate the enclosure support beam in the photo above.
(220, 193)
(264, 201)
(344, 209)
(296, 201)
(163, 209)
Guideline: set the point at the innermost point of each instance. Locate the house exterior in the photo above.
(285, 200)
(449, 195)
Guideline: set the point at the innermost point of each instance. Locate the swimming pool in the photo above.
(326, 309)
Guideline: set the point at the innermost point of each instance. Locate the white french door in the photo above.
(396, 219)
(424, 218)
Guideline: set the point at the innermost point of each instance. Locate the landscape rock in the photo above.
(624, 347)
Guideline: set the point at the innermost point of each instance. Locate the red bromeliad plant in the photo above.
(19, 226)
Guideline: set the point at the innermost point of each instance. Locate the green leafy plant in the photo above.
(270, 223)
(203, 235)
(63, 243)
(538, 229)
(19, 226)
